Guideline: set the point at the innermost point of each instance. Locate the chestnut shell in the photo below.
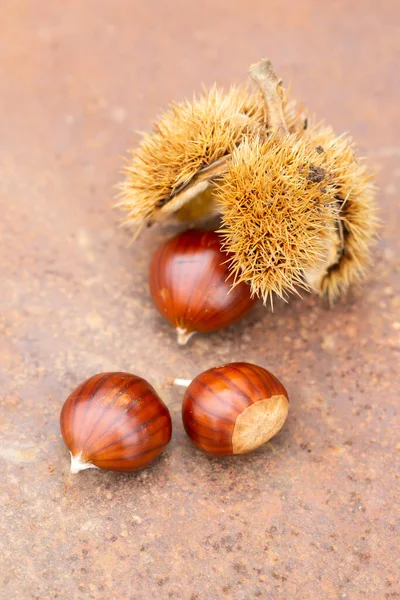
(234, 408)
(191, 284)
(115, 421)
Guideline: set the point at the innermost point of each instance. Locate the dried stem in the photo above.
(264, 76)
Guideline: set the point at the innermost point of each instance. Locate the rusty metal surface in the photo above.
(315, 513)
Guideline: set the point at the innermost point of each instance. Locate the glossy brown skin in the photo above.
(215, 398)
(117, 421)
(190, 281)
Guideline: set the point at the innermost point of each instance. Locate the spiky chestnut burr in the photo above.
(297, 210)
(204, 155)
(276, 220)
(174, 170)
(356, 228)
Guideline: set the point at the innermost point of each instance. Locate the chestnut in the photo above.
(192, 286)
(234, 409)
(114, 421)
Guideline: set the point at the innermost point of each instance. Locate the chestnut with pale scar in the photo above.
(234, 409)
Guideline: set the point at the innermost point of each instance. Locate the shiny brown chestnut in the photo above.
(191, 284)
(234, 409)
(114, 421)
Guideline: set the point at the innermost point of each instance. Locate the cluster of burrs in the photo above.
(296, 206)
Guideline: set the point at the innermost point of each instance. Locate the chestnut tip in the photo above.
(181, 382)
(77, 464)
(184, 335)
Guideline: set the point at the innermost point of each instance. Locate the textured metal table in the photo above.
(313, 514)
